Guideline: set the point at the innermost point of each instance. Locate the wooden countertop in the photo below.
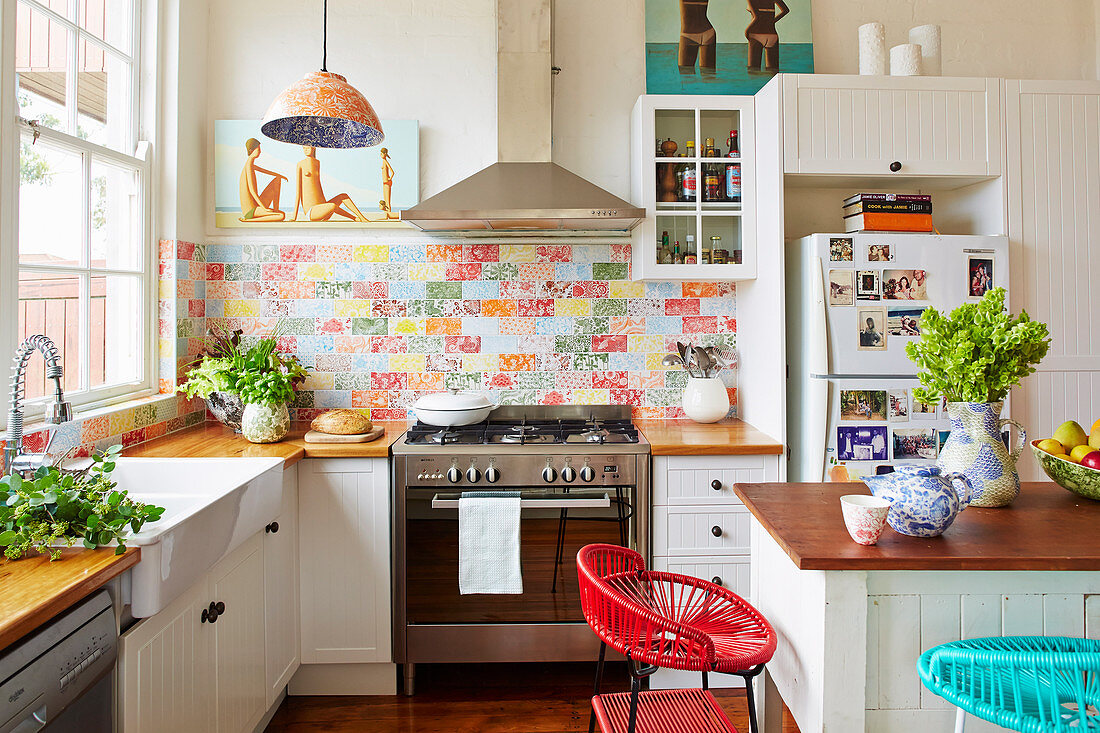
(724, 438)
(1046, 528)
(36, 590)
(214, 440)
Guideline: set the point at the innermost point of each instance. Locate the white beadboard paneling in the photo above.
(1022, 615)
(687, 530)
(682, 481)
(238, 582)
(873, 633)
(1064, 615)
(981, 616)
(899, 646)
(733, 571)
(1092, 616)
(940, 621)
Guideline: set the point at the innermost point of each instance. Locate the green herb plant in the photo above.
(55, 508)
(977, 353)
(257, 374)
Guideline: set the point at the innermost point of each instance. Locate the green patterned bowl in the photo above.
(1069, 475)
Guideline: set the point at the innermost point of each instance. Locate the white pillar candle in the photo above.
(905, 60)
(928, 38)
(872, 49)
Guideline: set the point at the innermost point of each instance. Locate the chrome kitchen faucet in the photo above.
(15, 460)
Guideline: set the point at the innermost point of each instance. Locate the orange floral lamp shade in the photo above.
(323, 110)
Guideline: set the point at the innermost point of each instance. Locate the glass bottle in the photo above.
(677, 258)
(733, 170)
(689, 250)
(689, 180)
(711, 175)
(717, 255)
(664, 254)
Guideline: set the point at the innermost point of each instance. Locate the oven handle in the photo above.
(536, 501)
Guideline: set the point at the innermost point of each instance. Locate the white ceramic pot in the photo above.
(452, 408)
(706, 400)
(262, 423)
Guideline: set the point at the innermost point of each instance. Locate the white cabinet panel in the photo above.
(932, 126)
(344, 532)
(281, 625)
(688, 480)
(691, 530)
(238, 582)
(730, 571)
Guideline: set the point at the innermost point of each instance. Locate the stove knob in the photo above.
(549, 474)
(454, 475)
(420, 477)
(492, 475)
(568, 474)
(472, 475)
(588, 474)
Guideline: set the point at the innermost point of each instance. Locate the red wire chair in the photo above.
(669, 620)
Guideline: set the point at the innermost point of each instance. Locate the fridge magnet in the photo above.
(922, 411)
(862, 404)
(899, 404)
(980, 270)
(915, 443)
(694, 47)
(840, 249)
(866, 443)
(880, 253)
(904, 285)
(867, 285)
(841, 287)
(859, 471)
(903, 321)
(872, 336)
(263, 183)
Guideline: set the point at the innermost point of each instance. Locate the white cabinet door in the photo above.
(729, 571)
(860, 125)
(1054, 225)
(165, 662)
(344, 533)
(238, 582)
(690, 480)
(281, 591)
(701, 530)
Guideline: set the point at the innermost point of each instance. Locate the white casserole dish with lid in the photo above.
(452, 408)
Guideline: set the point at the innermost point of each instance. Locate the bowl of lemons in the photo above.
(1071, 458)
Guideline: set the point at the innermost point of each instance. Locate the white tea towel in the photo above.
(488, 542)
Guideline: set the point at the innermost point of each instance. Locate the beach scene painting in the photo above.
(705, 47)
(259, 182)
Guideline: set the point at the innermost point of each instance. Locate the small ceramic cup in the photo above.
(864, 516)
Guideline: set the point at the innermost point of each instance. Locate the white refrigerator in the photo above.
(853, 303)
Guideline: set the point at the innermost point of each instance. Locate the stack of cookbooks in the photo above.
(888, 212)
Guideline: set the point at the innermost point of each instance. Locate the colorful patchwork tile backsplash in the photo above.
(539, 323)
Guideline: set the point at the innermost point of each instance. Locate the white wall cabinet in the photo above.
(344, 508)
(864, 125)
(731, 219)
(701, 528)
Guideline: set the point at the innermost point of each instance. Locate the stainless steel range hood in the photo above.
(525, 190)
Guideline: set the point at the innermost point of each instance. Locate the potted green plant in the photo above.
(233, 378)
(971, 358)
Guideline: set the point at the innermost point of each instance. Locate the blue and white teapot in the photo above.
(924, 502)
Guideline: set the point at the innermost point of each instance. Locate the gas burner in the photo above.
(444, 436)
(523, 429)
(595, 435)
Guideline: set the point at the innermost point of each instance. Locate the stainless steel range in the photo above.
(583, 476)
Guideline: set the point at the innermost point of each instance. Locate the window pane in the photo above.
(116, 321)
(51, 205)
(111, 20)
(115, 217)
(41, 65)
(103, 99)
(50, 303)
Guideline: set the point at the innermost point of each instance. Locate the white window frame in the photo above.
(12, 130)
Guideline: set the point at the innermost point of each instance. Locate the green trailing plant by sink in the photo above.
(258, 374)
(55, 507)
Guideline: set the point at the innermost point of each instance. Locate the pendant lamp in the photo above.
(322, 110)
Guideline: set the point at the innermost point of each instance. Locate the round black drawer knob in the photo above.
(717, 580)
(716, 531)
(716, 485)
(895, 166)
(272, 528)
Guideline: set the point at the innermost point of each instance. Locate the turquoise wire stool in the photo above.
(1033, 684)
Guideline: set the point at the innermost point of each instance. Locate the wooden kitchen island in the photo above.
(853, 620)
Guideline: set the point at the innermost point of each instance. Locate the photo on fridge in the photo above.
(912, 443)
(899, 404)
(864, 405)
(865, 443)
(922, 411)
(840, 249)
(980, 270)
(871, 322)
(867, 287)
(943, 437)
(841, 287)
(903, 321)
(904, 285)
(880, 253)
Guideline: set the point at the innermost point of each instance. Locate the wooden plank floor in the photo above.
(477, 698)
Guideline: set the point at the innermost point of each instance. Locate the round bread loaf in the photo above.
(342, 422)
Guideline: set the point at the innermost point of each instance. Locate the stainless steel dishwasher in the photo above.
(58, 679)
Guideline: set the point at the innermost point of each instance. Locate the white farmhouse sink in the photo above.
(212, 505)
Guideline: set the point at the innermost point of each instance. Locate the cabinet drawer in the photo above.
(689, 480)
(860, 125)
(691, 530)
(732, 571)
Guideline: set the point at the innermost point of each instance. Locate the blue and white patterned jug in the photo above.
(975, 450)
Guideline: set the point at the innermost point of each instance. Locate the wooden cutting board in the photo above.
(315, 437)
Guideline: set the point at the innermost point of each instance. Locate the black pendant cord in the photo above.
(324, 39)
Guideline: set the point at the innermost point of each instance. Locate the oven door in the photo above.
(555, 523)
